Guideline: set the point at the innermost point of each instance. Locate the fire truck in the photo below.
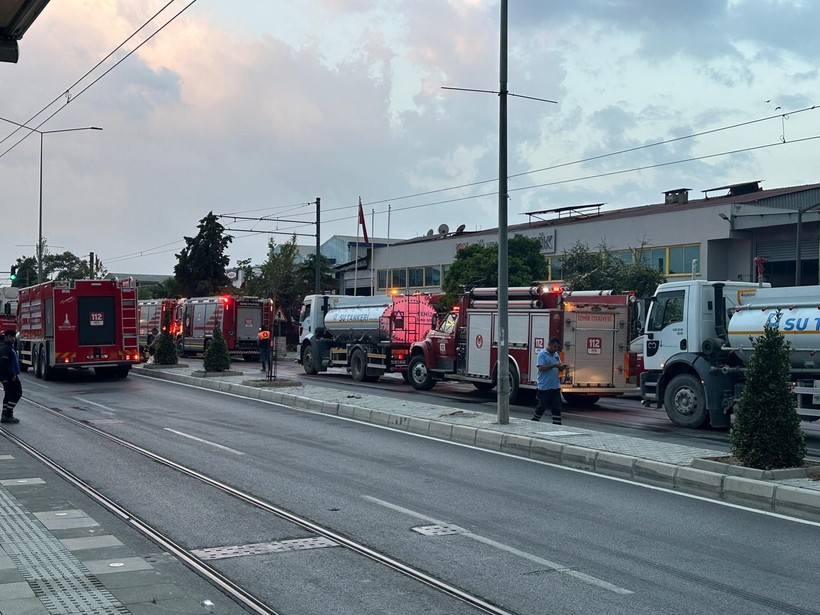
(78, 324)
(368, 336)
(152, 315)
(594, 326)
(239, 319)
(8, 307)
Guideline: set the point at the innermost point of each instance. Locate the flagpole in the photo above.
(387, 255)
(372, 254)
(356, 262)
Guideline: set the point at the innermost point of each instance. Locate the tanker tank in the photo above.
(405, 318)
(799, 322)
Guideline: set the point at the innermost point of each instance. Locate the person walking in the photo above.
(549, 384)
(264, 347)
(10, 377)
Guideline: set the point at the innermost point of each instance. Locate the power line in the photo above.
(67, 93)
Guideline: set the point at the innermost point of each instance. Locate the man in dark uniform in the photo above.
(10, 377)
(264, 347)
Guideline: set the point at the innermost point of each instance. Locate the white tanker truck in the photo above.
(699, 336)
(369, 336)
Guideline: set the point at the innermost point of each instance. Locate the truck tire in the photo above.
(308, 361)
(123, 371)
(358, 365)
(581, 400)
(38, 365)
(515, 383)
(181, 349)
(685, 402)
(45, 369)
(420, 377)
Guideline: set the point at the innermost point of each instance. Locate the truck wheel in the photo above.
(38, 365)
(685, 402)
(308, 362)
(420, 377)
(406, 377)
(358, 366)
(181, 349)
(581, 399)
(123, 371)
(45, 369)
(514, 384)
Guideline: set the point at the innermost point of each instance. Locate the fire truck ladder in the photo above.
(130, 318)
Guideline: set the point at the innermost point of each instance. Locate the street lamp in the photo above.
(42, 133)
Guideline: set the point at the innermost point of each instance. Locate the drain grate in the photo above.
(438, 530)
(62, 583)
(260, 548)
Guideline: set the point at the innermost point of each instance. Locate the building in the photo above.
(716, 237)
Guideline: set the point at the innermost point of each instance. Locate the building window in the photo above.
(415, 276)
(382, 281)
(556, 268)
(432, 276)
(399, 278)
(445, 269)
(681, 257)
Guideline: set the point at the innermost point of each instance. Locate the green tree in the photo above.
(306, 275)
(766, 433)
(26, 272)
(217, 358)
(168, 288)
(477, 265)
(200, 270)
(165, 352)
(584, 269)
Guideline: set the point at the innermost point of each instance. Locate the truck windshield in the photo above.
(667, 308)
(449, 324)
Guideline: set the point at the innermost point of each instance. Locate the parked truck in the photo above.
(152, 313)
(594, 326)
(8, 308)
(700, 334)
(369, 336)
(78, 324)
(238, 318)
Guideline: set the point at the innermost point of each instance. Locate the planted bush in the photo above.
(217, 357)
(165, 349)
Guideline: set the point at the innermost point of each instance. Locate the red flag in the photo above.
(361, 221)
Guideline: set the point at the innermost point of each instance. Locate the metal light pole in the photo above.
(40, 224)
(503, 379)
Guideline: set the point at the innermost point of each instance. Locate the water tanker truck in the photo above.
(369, 336)
(699, 336)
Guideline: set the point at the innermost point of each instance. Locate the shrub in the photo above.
(766, 434)
(217, 358)
(165, 350)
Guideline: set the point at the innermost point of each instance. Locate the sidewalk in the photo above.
(673, 466)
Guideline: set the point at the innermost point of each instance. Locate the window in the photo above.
(666, 310)
(624, 256)
(444, 271)
(382, 281)
(432, 276)
(399, 278)
(449, 324)
(415, 276)
(681, 257)
(556, 269)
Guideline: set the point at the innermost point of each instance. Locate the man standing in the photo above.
(264, 348)
(549, 385)
(10, 377)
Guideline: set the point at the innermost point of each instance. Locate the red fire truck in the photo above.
(595, 327)
(239, 319)
(78, 324)
(8, 308)
(152, 315)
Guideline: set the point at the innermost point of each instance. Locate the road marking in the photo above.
(94, 403)
(626, 481)
(555, 567)
(208, 442)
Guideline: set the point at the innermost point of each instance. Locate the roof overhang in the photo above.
(15, 18)
(799, 200)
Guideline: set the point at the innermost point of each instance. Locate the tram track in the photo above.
(194, 562)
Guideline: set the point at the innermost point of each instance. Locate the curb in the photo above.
(755, 493)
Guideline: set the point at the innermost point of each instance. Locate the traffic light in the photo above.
(13, 273)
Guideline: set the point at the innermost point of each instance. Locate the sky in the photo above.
(257, 107)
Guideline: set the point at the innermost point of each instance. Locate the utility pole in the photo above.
(91, 265)
(318, 282)
(503, 378)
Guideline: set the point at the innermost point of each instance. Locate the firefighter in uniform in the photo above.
(264, 347)
(10, 377)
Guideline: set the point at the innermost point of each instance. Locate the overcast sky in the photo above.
(260, 106)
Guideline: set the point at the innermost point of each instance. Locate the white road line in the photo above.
(94, 403)
(185, 435)
(498, 545)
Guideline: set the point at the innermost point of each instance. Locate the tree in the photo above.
(217, 358)
(166, 349)
(306, 275)
(168, 288)
(26, 272)
(584, 269)
(478, 265)
(200, 270)
(766, 434)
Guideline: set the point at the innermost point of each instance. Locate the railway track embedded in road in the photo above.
(195, 562)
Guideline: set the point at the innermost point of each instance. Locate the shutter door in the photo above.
(779, 251)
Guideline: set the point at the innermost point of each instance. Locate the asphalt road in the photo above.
(533, 539)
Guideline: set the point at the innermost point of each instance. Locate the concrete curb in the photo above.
(755, 493)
